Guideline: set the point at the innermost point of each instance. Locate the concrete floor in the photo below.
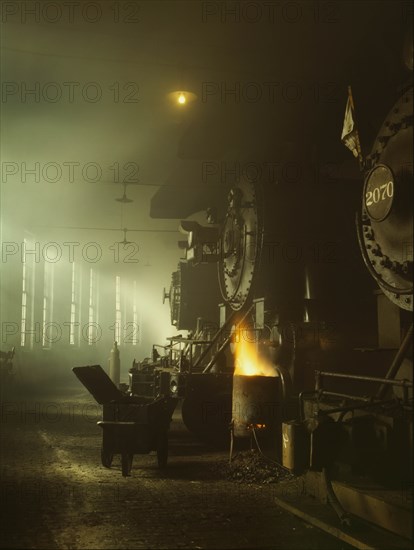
(56, 494)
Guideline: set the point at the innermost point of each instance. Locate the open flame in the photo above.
(248, 362)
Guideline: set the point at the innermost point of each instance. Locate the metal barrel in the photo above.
(256, 404)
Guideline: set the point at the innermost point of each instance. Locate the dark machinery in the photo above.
(285, 253)
(192, 295)
(362, 433)
(6, 364)
(288, 261)
(181, 373)
(290, 274)
(6, 369)
(289, 258)
(385, 226)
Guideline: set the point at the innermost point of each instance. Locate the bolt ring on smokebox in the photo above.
(288, 243)
(240, 243)
(385, 221)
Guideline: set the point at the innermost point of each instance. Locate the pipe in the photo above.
(398, 359)
(357, 406)
(344, 395)
(213, 341)
(285, 381)
(214, 358)
(224, 344)
(385, 380)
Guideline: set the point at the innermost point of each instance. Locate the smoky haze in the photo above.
(86, 107)
(63, 165)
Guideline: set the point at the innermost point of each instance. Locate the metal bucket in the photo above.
(256, 404)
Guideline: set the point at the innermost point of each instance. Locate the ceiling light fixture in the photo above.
(124, 242)
(124, 198)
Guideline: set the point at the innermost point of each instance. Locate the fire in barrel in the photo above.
(256, 391)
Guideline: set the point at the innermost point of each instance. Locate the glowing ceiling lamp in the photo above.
(181, 97)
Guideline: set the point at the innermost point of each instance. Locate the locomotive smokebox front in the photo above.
(256, 393)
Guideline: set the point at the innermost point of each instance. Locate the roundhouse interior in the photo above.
(206, 275)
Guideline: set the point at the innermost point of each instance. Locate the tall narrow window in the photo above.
(92, 317)
(72, 327)
(24, 308)
(47, 329)
(135, 326)
(118, 317)
(28, 329)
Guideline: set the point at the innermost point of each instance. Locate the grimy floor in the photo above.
(56, 494)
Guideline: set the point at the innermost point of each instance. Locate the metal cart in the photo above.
(131, 425)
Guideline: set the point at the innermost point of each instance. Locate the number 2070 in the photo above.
(386, 190)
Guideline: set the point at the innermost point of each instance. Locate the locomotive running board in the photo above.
(392, 510)
(362, 535)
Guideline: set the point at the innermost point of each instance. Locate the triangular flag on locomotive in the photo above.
(350, 136)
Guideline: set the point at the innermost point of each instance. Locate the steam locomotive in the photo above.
(281, 268)
(290, 257)
(290, 276)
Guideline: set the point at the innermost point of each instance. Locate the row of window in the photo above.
(76, 332)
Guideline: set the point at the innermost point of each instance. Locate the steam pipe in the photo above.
(353, 407)
(385, 380)
(213, 359)
(284, 379)
(344, 395)
(224, 344)
(213, 341)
